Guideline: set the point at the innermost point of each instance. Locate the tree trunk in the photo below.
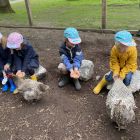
(5, 7)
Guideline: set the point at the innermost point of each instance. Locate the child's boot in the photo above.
(64, 81)
(77, 84)
(13, 88)
(100, 85)
(5, 87)
(33, 77)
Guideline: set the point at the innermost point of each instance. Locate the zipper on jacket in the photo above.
(71, 55)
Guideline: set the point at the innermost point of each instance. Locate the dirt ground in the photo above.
(63, 113)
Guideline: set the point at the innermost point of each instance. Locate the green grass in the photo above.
(79, 13)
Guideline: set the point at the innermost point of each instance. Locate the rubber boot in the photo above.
(13, 88)
(5, 88)
(77, 84)
(100, 85)
(33, 77)
(64, 81)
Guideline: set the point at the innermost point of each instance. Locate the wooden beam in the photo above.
(29, 13)
(105, 31)
(104, 13)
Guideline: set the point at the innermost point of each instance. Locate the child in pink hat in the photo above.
(24, 56)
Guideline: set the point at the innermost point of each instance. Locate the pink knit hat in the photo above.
(14, 40)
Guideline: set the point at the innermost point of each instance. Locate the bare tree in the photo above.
(5, 6)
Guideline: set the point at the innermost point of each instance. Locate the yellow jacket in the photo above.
(123, 63)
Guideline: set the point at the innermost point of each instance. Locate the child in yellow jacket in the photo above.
(123, 60)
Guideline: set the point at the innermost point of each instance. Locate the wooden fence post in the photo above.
(27, 4)
(104, 12)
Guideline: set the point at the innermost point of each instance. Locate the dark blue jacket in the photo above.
(24, 57)
(5, 57)
(71, 57)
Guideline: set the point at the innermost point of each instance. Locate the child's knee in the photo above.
(34, 64)
(128, 78)
(62, 68)
(127, 82)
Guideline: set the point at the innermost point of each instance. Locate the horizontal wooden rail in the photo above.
(106, 31)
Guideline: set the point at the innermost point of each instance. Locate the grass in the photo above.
(79, 13)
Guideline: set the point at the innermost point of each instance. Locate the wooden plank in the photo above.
(29, 13)
(106, 31)
(104, 12)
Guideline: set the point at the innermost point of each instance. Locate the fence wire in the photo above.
(79, 13)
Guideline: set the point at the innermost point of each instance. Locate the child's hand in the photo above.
(6, 67)
(23, 74)
(115, 77)
(77, 72)
(74, 74)
(121, 78)
(20, 74)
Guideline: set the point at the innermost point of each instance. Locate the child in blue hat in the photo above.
(123, 60)
(71, 57)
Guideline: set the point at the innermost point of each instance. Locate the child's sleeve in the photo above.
(114, 64)
(131, 64)
(30, 53)
(17, 62)
(10, 56)
(65, 60)
(78, 58)
(1, 65)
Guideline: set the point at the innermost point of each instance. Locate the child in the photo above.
(25, 57)
(5, 63)
(71, 58)
(123, 60)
